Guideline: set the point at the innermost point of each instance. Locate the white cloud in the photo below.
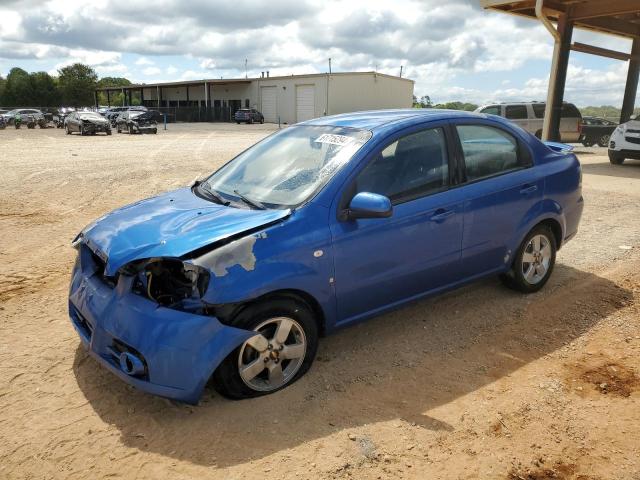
(152, 71)
(443, 46)
(144, 61)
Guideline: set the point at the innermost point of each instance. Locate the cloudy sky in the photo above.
(452, 49)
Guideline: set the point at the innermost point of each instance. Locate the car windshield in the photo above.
(286, 168)
(90, 115)
(135, 113)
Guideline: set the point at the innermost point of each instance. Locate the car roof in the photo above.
(374, 119)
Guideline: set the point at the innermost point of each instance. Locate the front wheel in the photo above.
(603, 141)
(281, 352)
(615, 158)
(534, 261)
(109, 132)
(587, 143)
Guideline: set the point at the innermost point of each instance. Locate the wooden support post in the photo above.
(631, 89)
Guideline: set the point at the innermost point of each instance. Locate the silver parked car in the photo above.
(530, 116)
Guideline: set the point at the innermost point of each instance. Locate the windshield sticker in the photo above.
(341, 140)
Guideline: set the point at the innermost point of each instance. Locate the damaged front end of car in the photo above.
(144, 306)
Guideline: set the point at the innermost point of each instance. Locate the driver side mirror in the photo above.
(369, 205)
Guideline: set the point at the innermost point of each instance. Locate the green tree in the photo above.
(424, 102)
(115, 98)
(77, 84)
(18, 89)
(45, 90)
(469, 107)
(3, 86)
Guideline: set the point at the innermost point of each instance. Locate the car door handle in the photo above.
(528, 189)
(441, 215)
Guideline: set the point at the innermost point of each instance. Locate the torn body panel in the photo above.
(179, 350)
(169, 225)
(283, 257)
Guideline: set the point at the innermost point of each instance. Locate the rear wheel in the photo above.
(280, 353)
(588, 143)
(534, 261)
(603, 141)
(615, 158)
(130, 130)
(108, 131)
(66, 129)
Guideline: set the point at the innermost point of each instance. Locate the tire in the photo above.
(261, 120)
(238, 123)
(81, 130)
(66, 129)
(108, 131)
(250, 122)
(130, 130)
(603, 141)
(155, 131)
(540, 246)
(539, 134)
(268, 316)
(118, 129)
(587, 143)
(616, 158)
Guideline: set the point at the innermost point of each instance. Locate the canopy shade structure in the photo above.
(614, 17)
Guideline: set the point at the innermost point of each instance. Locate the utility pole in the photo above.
(245, 68)
(329, 65)
(401, 71)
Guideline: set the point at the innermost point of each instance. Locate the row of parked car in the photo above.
(123, 119)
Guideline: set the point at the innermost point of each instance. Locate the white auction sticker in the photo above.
(334, 139)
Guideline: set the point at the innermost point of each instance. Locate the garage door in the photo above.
(269, 109)
(305, 102)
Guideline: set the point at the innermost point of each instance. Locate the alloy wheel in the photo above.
(536, 259)
(270, 359)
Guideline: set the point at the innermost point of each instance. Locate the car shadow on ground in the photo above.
(398, 366)
(629, 169)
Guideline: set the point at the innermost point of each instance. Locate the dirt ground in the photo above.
(479, 383)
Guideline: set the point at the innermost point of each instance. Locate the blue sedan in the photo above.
(317, 227)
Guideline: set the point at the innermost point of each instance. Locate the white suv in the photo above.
(625, 142)
(530, 116)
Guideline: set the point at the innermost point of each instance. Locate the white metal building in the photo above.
(288, 99)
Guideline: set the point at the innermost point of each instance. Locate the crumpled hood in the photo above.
(170, 225)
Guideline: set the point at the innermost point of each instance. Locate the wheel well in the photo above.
(299, 295)
(556, 228)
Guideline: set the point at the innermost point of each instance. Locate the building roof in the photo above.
(618, 17)
(227, 81)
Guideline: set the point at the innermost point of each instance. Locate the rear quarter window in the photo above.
(516, 112)
(570, 111)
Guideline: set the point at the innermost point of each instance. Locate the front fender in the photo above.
(295, 254)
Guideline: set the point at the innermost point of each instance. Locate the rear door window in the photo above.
(538, 109)
(488, 151)
(516, 112)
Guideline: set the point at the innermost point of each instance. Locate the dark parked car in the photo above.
(596, 130)
(319, 226)
(86, 123)
(59, 116)
(114, 112)
(135, 121)
(249, 115)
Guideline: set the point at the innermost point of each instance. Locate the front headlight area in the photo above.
(170, 282)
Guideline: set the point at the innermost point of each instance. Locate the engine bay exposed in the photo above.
(172, 283)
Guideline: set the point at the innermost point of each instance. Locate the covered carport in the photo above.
(615, 17)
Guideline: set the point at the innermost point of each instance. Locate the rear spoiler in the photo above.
(559, 147)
